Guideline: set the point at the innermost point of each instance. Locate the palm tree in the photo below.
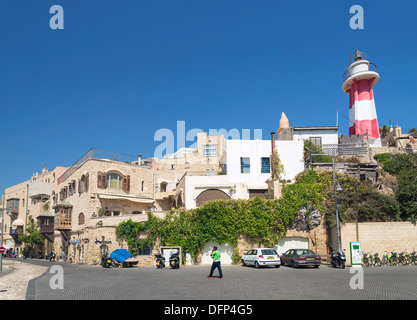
(384, 131)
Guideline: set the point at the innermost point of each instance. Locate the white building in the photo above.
(318, 135)
(247, 167)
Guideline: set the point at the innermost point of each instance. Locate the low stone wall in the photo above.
(377, 236)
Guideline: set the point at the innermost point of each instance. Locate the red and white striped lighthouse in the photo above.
(358, 80)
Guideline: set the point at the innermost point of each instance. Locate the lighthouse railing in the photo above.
(348, 72)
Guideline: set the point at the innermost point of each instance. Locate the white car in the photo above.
(260, 257)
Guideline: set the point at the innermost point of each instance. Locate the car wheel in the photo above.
(243, 263)
(277, 266)
(293, 265)
(256, 265)
(316, 267)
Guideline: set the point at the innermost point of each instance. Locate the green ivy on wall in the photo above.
(264, 221)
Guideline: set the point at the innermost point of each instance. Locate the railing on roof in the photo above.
(347, 74)
(97, 154)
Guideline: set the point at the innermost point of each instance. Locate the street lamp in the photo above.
(336, 188)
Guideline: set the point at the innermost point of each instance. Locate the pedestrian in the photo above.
(215, 255)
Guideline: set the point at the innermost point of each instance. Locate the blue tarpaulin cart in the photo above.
(124, 258)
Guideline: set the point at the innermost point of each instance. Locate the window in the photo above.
(244, 165)
(145, 251)
(114, 180)
(81, 218)
(163, 187)
(265, 165)
(210, 150)
(316, 141)
(83, 183)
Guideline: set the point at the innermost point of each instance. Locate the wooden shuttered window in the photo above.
(101, 180)
(126, 183)
(86, 181)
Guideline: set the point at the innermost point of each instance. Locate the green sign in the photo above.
(355, 253)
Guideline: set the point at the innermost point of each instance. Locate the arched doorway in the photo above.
(211, 194)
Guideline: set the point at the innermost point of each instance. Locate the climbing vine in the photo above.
(263, 221)
(222, 221)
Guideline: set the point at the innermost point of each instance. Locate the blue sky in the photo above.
(121, 70)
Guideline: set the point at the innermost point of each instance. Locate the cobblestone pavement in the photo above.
(15, 277)
(84, 282)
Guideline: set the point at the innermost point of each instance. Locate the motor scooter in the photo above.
(160, 261)
(337, 258)
(174, 260)
(106, 261)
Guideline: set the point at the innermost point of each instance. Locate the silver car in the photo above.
(260, 257)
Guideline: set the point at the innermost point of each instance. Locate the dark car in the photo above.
(300, 257)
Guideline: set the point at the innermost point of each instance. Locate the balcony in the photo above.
(63, 216)
(12, 205)
(46, 223)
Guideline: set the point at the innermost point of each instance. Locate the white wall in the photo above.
(327, 136)
(290, 153)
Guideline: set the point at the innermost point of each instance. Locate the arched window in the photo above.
(114, 180)
(81, 218)
(163, 187)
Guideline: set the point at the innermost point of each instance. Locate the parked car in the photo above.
(260, 257)
(300, 257)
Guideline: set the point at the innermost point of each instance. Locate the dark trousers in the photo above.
(215, 265)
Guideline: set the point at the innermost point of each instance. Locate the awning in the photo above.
(49, 214)
(126, 198)
(18, 223)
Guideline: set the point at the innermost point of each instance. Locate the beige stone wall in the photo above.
(378, 236)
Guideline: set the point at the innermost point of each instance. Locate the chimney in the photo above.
(273, 142)
(139, 159)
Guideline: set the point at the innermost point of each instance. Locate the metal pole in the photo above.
(337, 211)
(2, 231)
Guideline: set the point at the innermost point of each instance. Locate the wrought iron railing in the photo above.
(97, 154)
(347, 74)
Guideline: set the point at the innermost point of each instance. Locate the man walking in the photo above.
(215, 254)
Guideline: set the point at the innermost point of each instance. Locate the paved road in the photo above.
(84, 282)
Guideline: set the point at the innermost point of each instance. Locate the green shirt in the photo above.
(216, 256)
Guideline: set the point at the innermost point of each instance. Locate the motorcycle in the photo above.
(338, 259)
(106, 261)
(174, 260)
(160, 261)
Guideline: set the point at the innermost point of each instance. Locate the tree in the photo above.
(32, 236)
(317, 153)
(404, 167)
(384, 131)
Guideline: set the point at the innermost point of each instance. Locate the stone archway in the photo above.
(211, 194)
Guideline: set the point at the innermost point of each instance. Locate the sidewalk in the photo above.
(14, 278)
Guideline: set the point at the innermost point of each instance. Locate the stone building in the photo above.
(24, 201)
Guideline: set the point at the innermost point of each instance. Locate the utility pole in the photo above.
(2, 231)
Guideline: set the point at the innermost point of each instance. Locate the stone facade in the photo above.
(27, 200)
(378, 236)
